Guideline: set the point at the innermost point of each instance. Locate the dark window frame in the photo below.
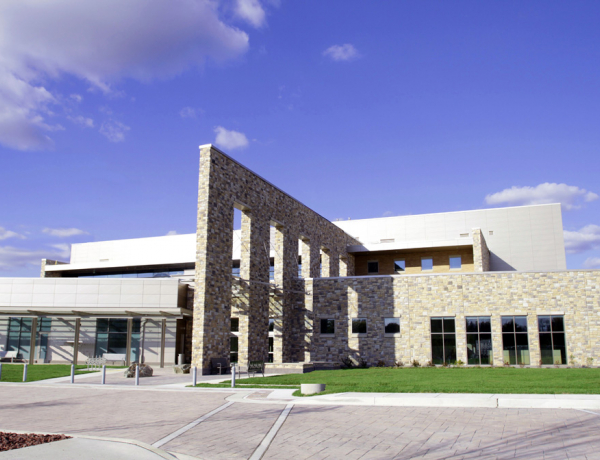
(478, 335)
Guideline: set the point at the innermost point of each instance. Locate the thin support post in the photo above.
(0, 371)
(233, 376)
(32, 340)
(162, 343)
(137, 375)
(25, 372)
(194, 375)
(103, 374)
(129, 331)
(72, 373)
(76, 341)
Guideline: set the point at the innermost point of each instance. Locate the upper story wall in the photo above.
(519, 238)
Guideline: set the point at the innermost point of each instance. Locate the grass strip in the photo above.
(36, 372)
(438, 380)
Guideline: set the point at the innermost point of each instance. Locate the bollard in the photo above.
(233, 376)
(137, 374)
(103, 374)
(72, 373)
(25, 373)
(194, 376)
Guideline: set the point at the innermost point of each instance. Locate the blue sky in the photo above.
(358, 109)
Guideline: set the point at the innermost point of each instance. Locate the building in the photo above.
(300, 292)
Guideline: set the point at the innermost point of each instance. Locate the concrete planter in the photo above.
(311, 388)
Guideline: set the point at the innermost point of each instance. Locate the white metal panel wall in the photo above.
(521, 238)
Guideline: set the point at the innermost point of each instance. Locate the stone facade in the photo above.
(224, 185)
(416, 298)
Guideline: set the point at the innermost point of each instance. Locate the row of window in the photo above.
(111, 336)
(234, 340)
(455, 263)
(515, 339)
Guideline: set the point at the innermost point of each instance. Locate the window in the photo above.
(19, 335)
(455, 263)
(479, 340)
(426, 264)
(233, 349)
(443, 341)
(400, 266)
(327, 326)
(359, 325)
(515, 343)
(235, 269)
(271, 339)
(391, 325)
(372, 267)
(111, 337)
(270, 357)
(299, 266)
(234, 340)
(272, 270)
(552, 339)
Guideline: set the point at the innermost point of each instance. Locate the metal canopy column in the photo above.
(162, 342)
(129, 331)
(32, 340)
(76, 341)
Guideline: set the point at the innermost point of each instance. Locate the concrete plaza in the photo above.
(264, 424)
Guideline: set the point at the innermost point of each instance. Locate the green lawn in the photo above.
(14, 372)
(442, 380)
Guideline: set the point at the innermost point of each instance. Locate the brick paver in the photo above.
(233, 433)
(310, 432)
(435, 433)
(145, 416)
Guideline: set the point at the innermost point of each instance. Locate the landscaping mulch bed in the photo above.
(9, 441)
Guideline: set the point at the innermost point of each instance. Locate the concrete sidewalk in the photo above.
(92, 448)
(507, 401)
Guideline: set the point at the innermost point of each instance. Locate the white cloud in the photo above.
(172, 232)
(570, 196)
(586, 239)
(64, 250)
(82, 121)
(188, 112)
(114, 130)
(387, 214)
(99, 42)
(230, 139)
(76, 97)
(11, 258)
(6, 234)
(250, 11)
(592, 262)
(64, 232)
(345, 52)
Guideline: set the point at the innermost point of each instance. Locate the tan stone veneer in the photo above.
(223, 185)
(417, 298)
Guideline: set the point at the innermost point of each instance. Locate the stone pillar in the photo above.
(214, 246)
(254, 267)
(481, 253)
(310, 259)
(461, 338)
(286, 270)
(498, 353)
(347, 265)
(308, 320)
(326, 257)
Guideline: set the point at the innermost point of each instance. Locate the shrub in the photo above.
(506, 363)
(430, 364)
(415, 363)
(398, 364)
(347, 363)
(590, 362)
(362, 364)
(380, 363)
(460, 362)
